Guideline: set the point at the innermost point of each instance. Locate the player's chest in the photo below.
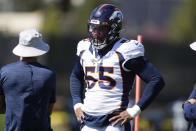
(111, 59)
(108, 65)
(103, 72)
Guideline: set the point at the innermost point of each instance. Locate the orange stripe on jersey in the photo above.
(122, 81)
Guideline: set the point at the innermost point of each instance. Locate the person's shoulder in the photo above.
(83, 45)
(10, 66)
(48, 69)
(47, 72)
(130, 48)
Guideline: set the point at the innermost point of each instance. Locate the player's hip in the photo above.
(101, 123)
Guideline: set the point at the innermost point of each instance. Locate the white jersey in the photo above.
(108, 85)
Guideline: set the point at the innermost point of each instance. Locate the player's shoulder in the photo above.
(126, 44)
(130, 48)
(84, 44)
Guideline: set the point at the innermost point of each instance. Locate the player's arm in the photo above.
(147, 72)
(77, 88)
(190, 111)
(155, 83)
(189, 107)
(50, 109)
(52, 85)
(77, 82)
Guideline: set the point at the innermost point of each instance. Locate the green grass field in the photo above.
(2, 122)
(58, 120)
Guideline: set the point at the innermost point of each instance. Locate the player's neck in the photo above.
(28, 59)
(105, 50)
(109, 46)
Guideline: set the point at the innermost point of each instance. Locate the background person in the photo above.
(189, 105)
(27, 88)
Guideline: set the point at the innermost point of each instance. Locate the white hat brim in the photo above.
(193, 46)
(31, 51)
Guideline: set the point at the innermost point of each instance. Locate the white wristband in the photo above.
(134, 111)
(78, 105)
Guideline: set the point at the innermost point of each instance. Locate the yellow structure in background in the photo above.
(14, 22)
(59, 121)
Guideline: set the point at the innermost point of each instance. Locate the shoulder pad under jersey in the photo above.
(83, 45)
(130, 49)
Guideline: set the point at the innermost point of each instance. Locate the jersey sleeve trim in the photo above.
(123, 66)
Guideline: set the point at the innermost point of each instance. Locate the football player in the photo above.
(108, 64)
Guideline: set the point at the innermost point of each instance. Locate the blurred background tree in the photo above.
(28, 5)
(55, 18)
(183, 23)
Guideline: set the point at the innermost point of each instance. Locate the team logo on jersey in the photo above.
(95, 21)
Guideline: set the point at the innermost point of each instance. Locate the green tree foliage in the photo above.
(183, 23)
(54, 17)
(33, 5)
(72, 20)
(52, 25)
(81, 15)
(28, 5)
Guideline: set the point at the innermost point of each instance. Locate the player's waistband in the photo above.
(102, 121)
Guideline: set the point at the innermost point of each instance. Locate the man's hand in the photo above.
(192, 101)
(79, 114)
(122, 118)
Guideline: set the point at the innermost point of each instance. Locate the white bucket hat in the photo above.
(193, 46)
(30, 44)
